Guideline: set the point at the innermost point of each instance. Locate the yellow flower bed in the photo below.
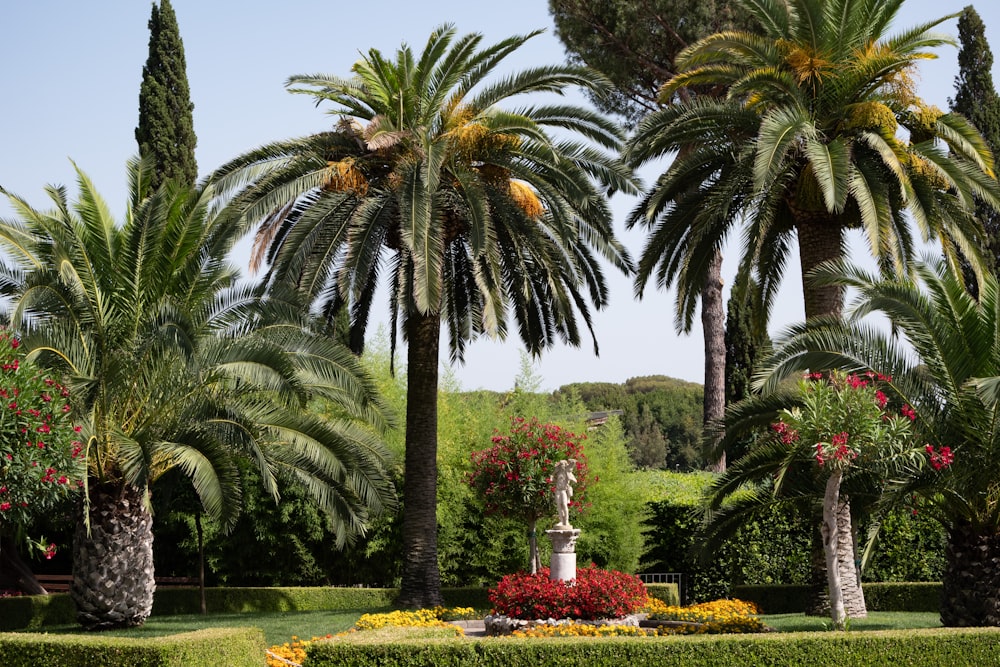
(719, 616)
(295, 651)
(583, 630)
(290, 652)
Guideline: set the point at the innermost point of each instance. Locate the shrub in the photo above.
(41, 451)
(592, 595)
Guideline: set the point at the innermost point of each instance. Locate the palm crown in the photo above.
(819, 131)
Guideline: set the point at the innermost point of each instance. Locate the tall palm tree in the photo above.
(478, 214)
(177, 365)
(805, 144)
(944, 359)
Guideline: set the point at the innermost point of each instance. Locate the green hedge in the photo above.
(170, 601)
(791, 599)
(215, 647)
(948, 648)
(32, 612)
(669, 593)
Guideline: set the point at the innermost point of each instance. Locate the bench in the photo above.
(59, 583)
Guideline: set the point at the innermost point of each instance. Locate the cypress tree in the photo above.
(977, 100)
(166, 121)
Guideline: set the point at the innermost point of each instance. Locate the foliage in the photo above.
(803, 146)
(594, 594)
(659, 413)
(953, 648)
(635, 43)
(841, 418)
(516, 477)
(233, 647)
(40, 447)
(166, 113)
(976, 98)
(948, 379)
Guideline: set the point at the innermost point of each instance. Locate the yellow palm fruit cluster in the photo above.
(344, 176)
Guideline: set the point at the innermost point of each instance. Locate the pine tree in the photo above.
(977, 99)
(166, 121)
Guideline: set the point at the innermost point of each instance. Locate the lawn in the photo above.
(278, 627)
(877, 620)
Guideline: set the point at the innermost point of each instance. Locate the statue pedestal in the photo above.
(563, 563)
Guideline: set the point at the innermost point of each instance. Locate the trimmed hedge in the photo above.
(171, 601)
(669, 593)
(214, 647)
(791, 599)
(947, 648)
(32, 612)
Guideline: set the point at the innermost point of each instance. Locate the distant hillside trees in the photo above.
(662, 417)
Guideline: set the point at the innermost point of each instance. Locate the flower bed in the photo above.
(594, 594)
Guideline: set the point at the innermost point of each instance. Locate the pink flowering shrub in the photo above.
(844, 416)
(592, 595)
(41, 453)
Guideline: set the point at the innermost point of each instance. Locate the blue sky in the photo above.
(71, 74)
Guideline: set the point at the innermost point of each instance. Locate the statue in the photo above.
(564, 477)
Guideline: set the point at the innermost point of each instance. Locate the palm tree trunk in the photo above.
(850, 575)
(971, 579)
(113, 580)
(831, 531)
(421, 585)
(820, 239)
(713, 324)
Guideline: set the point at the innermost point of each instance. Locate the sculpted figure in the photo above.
(564, 477)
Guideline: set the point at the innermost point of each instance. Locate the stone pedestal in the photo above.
(563, 563)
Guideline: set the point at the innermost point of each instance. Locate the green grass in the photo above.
(278, 627)
(877, 620)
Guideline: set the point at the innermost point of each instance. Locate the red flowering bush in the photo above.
(594, 594)
(515, 476)
(41, 455)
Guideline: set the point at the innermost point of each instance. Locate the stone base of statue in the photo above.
(563, 563)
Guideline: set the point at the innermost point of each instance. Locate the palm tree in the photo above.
(177, 365)
(478, 214)
(944, 359)
(806, 144)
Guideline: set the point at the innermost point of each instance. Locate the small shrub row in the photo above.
(897, 596)
(214, 647)
(938, 647)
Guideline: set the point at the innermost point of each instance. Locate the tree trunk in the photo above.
(850, 572)
(14, 570)
(421, 586)
(831, 530)
(113, 580)
(201, 560)
(971, 582)
(535, 560)
(713, 323)
(820, 239)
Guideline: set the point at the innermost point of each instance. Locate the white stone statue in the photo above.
(564, 477)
